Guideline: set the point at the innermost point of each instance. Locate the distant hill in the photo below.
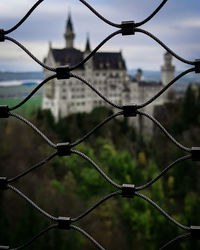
(156, 76)
(10, 76)
(29, 84)
(180, 85)
(147, 74)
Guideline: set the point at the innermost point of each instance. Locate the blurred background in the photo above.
(68, 186)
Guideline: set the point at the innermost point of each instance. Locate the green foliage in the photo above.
(58, 186)
(68, 186)
(27, 109)
(189, 108)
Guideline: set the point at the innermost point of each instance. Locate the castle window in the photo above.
(50, 89)
(108, 65)
(120, 64)
(112, 86)
(101, 65)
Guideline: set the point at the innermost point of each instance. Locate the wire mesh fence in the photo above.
(62, 149)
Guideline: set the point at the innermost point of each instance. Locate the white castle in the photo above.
(107, 72)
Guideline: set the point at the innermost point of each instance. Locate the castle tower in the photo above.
(139, 75)
(69, 33)
(167, 70)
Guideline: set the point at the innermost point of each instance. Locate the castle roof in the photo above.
(101, 60)
(67, 56)
(109, 60)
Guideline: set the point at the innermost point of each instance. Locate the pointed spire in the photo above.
(87, 47)
(69, 22)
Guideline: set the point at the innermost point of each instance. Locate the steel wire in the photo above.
(39, 164)
(171, 138)
(80, 64)
(165, 46)
(96, 91)
(84, 233)
(95, 128)
(117, 25)
(19, 117)
(165, 88)
(96, 167)
(152, 14)
(163, 173)
(17, 191)
(3, 37)
(81, 216)
(32, 93)
(180, 237)
(29, 53)
(162, 211)
(36, 237)
(24, 18)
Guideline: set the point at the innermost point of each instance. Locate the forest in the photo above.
(68, 186)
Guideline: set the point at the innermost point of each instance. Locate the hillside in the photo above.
(181, 84)
(10, 76)
(70, 185)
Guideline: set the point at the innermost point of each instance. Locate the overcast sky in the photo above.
(177, 24)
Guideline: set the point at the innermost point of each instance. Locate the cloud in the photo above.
(193, 22)
(13, 8)
(49, 20)
(17, 59)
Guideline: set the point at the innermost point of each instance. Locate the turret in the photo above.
(69, 33)
(167, 70)
(139, 75)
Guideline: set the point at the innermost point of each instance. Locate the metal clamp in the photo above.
(128, 190)
(128, 28)
(63, 72)
(64, 223)
(63, 149)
